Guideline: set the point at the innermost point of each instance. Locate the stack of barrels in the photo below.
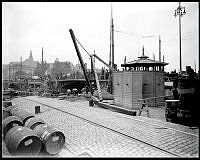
(26, 135)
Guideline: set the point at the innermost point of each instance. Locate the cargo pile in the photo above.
(26, 135)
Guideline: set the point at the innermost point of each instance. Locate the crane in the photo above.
(97, 57)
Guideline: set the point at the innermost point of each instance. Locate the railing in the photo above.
(155, 101)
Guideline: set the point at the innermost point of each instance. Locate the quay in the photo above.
(99, 132)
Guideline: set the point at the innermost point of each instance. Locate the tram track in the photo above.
(115, 131)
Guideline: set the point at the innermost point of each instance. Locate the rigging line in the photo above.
(150, 36)
(165, 34)
(83, 47)
(127, 33)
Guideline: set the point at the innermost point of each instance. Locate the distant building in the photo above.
(49, 69)
(27, 66)
(5, 72)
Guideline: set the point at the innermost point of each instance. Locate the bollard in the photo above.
(37, 109)
(91, 102)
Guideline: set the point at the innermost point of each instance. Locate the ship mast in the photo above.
(111, 56)
(112, 38)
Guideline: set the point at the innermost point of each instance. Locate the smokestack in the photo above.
(159, 49)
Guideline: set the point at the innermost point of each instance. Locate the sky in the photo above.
(32, 25)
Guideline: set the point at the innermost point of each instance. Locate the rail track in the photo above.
(171, 153)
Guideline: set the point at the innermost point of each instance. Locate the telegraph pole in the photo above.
(180, 11)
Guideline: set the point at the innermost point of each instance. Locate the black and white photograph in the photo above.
(100, 79)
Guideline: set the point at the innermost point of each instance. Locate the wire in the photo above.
(167, 34)
(128, 33)
(83, 47)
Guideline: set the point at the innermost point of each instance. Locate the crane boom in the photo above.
(81, 60)
(103, 61)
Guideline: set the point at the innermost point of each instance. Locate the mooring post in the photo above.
(37, 109)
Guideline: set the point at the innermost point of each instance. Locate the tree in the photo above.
(39, 70)
(59, 70)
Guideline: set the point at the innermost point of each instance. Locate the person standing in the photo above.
(175, 93)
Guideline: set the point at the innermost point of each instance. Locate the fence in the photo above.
(155, 101)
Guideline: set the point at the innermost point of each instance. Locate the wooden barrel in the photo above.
(33, 122)
(10, 122)
(23, 141)
(52, 139)
(171, 108)
(5, 113)
(7, 103)
(21, 113)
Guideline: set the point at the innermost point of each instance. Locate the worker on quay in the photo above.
(175, 93)
(144, 108)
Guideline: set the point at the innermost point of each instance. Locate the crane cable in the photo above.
(83, 47)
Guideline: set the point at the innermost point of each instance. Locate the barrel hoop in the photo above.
(33, 122)
(36, 124)
(45, 135)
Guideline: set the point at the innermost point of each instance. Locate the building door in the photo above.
(127, 89)
(118, 88)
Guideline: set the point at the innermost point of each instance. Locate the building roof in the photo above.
(143, 61)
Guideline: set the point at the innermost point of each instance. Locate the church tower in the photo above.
(30, 56)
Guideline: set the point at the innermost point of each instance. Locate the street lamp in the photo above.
(180, 11)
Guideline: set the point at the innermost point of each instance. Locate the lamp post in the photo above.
(180, 11)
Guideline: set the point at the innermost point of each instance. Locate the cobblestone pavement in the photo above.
(171, 140)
